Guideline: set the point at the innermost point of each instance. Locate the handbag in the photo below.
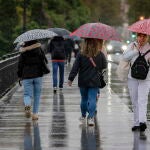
(45, 68)
(99, 76)
(123, 69)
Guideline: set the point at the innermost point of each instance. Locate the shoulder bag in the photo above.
(99, 76)
(45, 68)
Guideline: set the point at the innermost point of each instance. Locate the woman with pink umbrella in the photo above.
(88, 62)
(139, 78)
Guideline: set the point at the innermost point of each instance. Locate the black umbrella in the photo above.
(60, 31)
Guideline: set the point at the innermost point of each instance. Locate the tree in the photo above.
(138, 8)
(110, 12)
(38, 12)
(9, 20)
(69, 14)
(107, 12)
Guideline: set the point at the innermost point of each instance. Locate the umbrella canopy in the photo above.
(97, 31)
(60, 31)
(34, 35)
(73, 37)
(142, 26)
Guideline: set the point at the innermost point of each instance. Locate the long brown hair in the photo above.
(91, 47)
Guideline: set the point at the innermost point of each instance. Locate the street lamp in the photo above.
(141, 17)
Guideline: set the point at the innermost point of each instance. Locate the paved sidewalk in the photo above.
(58, 127)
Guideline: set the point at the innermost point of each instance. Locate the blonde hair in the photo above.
(91, 47)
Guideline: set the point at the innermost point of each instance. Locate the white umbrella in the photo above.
(35, 35)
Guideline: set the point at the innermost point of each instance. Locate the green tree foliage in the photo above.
(75, 18)
(69, 14)
(38, 13)
(9, 20)
(105, 11)
(110, 12)
(138, 8)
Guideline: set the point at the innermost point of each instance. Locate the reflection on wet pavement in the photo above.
(139, 143)
(90, 137)
(58, 130)
(29, 143)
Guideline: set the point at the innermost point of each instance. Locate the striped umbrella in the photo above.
(142, 26)
(97, 31)
(34, 35)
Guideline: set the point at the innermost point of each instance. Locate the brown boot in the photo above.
(27, 111)
(35, 117)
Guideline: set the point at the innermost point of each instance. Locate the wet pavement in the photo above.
(58, 126)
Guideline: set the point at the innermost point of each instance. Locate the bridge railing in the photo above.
(8, 72)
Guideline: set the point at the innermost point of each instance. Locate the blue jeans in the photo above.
(88, 101)
(59, 65)
(32, 88)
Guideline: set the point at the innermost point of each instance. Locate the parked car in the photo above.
(115, 47)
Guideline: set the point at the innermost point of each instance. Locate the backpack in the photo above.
(58, 50)
(140, 67)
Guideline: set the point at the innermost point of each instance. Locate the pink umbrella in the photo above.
(97, 31)
(142, 26)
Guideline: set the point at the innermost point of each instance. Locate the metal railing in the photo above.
(9, 55)
(8, 72)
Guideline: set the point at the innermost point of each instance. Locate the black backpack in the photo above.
(140, 67)
(58, 49)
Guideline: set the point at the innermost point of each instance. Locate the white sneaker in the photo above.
(55, 89)
(91, 122)
(82, 120)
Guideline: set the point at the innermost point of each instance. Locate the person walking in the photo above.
(88, 85)
(30, 71)
(138, 88)
(58, 55)
(69, 45)
(76, 48)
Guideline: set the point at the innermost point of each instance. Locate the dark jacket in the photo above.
(84, 67)
(57, 48)
(69, 45)
(30, 62)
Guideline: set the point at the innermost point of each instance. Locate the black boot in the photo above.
(143, 126)
(135, 128)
